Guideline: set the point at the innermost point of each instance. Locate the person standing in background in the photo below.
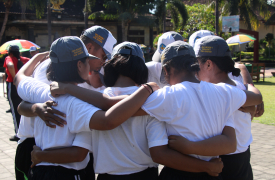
(13, 62)
(33, 51)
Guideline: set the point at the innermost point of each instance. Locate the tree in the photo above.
(87, 10)
(31, 4)
(198, 19)
(174, 8)
(126, 12)
(245, 8)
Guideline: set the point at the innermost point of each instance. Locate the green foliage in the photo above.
(39, 6)
(155, 42)
(244, 54)
(100, 15)
(199, 19)
(263, 43)
(175, 8)
(269, 50)
(269, 37)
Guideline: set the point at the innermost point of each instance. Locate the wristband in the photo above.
(150, 87)
(147, 89)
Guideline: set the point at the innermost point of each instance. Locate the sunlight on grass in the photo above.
(267, 89)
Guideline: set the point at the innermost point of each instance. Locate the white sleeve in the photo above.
(80, 113)
(33, 91)
(162, 105)
(230, 122)
(84, 140)
(156, 133)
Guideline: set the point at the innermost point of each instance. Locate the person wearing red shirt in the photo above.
(12, 63)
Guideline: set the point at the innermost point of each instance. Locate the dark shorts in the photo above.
(147, 174)
(23, 158)
(55, 173)
(90, 173)
(237, 166)
(173, 174)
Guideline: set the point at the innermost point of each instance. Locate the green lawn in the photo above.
(267, 89)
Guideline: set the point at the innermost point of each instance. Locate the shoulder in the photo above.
(8, 59)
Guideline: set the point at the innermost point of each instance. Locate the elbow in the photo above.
(19, 109)
(232, 146)
(15, 80)
(157, 154)
(80, 156)
(110, 125)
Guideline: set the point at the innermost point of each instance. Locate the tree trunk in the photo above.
(8, 6)
(49, 25)
(86, 15)
(123, 31)
(164, 18)
(217, 17)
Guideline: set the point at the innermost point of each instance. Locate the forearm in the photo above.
(214, 146)
(63, 155)
(254, 96)
(173, 159)
(246, 75)
(120, 112)
(27, 109)
(95, 98)
(29, 67)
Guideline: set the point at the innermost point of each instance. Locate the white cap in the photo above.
(197, 35)
(163, 41)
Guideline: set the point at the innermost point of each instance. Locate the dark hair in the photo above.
(189, 64)
(87, 40)
(126, 65)
(17, 55)
(65, 72)
(225, 64)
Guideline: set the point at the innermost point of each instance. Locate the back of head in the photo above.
(163, 41)
(65, 53)
(215, 48)
(127, 60)
(197, 35)
(14, 50)
(181, 56)
(99, 37)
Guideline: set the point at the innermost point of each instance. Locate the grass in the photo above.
(267, 89)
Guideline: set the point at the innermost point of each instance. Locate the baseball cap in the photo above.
(163, 41)
(102, 37)
(33, 48)
(197, 35)
(13, 48)
(211, 46)
(134, 50)
(68, 48)
(175, 49)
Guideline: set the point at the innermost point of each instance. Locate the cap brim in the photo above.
(92, 57)
(107, 54)
(156, 57)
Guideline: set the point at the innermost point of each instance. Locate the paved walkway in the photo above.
(262, 148)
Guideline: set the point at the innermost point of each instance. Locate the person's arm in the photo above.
(254, 96)
(11, 69)
(62, 155)
(173, 159)
(218, 145)
(44, 111)
(95, 98)
(250, 109)
(121, 111)
(245, 74)
(29, 67)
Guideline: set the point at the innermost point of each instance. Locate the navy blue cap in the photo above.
(13, 48)
(68, 48)
(134, 50)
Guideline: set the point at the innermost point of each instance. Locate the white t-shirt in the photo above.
(154, 72)
(26, 123)
(242, 123)
(78, 115)
(87, 86)
(196, 111)
(125, 149)
(236, 78)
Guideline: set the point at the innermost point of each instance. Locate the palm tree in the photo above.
(7, 4)
(126, 12)
(245, 8)
(38, 5)
(175, 8)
